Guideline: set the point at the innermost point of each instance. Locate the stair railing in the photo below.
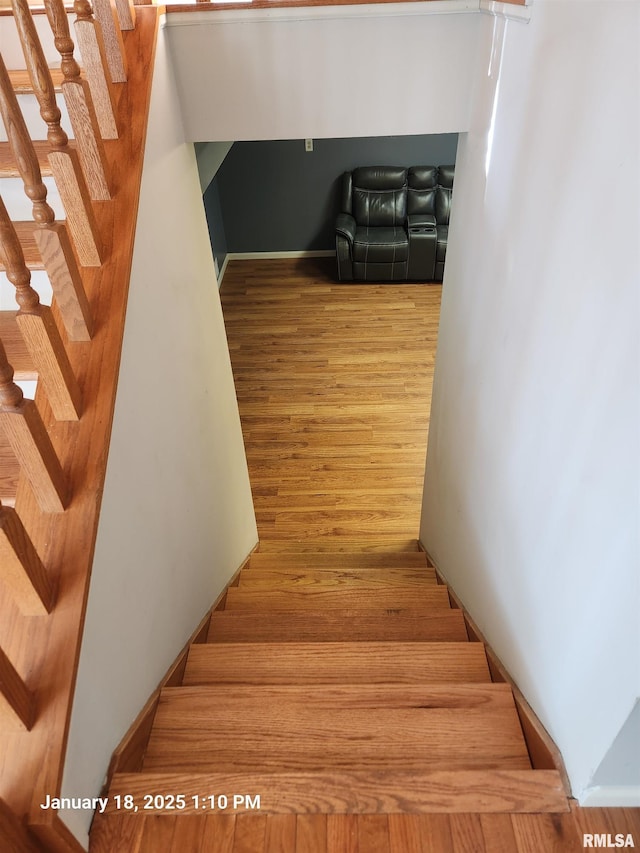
(67, 249)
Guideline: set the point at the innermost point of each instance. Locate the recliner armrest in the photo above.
(421, 220)
(346, 225)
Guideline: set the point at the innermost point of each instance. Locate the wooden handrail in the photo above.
(39, 330)
(95, 63)
(64, 161)
(79, 105)
(22, 568)
(51, 236)
(30, 442)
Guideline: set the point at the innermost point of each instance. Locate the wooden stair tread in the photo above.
(9, 472)
(339, 578)
(8, 165)
(295, 626)
(320, 727)
(311, 598)
(346, 663)
(15, 347)
(32, 255)
(359, 792)
(21, 82)
(333, 560)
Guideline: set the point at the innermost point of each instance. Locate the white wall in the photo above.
(177, 516)
(324, 72)
(531, 490)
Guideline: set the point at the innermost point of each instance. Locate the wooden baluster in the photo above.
(30, 442)
(64, 160)
(17, 706)
(105, 13)
(22, 569)
(95, 64)
(39, 329)
(81, 111)
(51, 236)
(126, 13)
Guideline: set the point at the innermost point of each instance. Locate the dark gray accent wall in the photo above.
(215, 222)
(275, 196)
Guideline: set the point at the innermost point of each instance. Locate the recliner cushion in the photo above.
(379, 207)
(380, 245)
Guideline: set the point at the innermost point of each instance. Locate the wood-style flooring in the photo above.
(334, 384)
(334, 388)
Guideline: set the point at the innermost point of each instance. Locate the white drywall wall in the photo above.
(324, 72)
(177, 516)
(531, 490)
(210, 156)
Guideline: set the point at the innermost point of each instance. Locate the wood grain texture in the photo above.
(339, 726)
(105, 14)
(22, 571)
(280, 626)
(325, 600)
(79, 105)
(95, 64)
(81, 221)
(15, 347)
(36, 455)
(17, 703)
(339, 663)
(9, 167)
(14, 833)
(333, 388)
(32, 764)
(336, 579)
(52, 363)
(126, 14)
(363, 792)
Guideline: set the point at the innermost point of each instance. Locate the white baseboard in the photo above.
(610, 797)
(267, 256)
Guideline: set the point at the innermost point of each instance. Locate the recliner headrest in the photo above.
(380, 177)
(446, 175)
(423, 177)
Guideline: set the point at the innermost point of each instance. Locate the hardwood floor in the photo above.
(334, 386)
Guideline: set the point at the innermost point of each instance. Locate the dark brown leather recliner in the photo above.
(394, 223)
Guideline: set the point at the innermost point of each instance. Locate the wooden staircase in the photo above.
(337, 683)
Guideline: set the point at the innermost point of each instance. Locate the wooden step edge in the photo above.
(15, 347)
(338, 560)
(543, 752)
(9, 167)
(129, 754)
(357, 792)
(21, 82)
(337, 545)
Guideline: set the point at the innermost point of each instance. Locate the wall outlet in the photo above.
(308, 145)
